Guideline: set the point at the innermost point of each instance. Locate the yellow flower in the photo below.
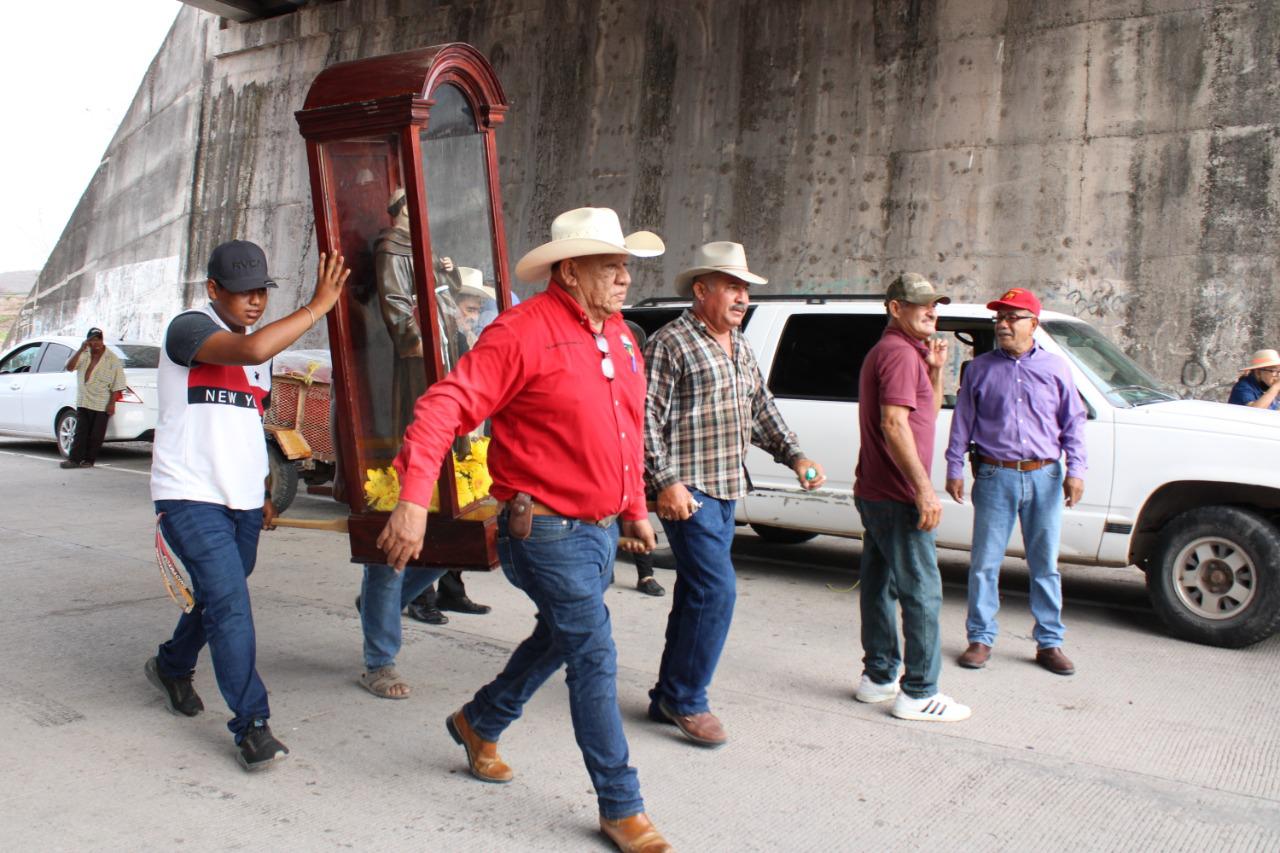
(471, 477)
(382, 488)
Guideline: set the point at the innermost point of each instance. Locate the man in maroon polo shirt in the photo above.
(899, 395)
(566, 404)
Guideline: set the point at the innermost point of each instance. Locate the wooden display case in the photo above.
(404, 181)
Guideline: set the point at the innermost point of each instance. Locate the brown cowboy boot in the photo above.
(635, 834)
(482, 755)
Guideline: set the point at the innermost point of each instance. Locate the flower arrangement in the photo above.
(471, 478)
(382, 488)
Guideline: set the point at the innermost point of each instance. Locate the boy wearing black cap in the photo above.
(208, 471)
(98, 379)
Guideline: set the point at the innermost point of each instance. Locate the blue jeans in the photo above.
(899, 565)
(218, 546)
(565, 566)
(701, 606)
(384, 592)
(1002, 496)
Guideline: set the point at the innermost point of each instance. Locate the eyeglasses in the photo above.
(1013, 318)
(606, 363)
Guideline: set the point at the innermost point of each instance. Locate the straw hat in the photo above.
(473, 284)
(586, 231)
(1263, 358)
(721, 256)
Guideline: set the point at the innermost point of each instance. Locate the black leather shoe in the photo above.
(67, 463)
(461, 605)
(423, 613)
(649, 586)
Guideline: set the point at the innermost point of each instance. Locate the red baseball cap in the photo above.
(1017, 298)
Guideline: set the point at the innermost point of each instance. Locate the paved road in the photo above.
(1154, 745)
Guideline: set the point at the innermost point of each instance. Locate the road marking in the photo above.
(124, 470)
(98, 465)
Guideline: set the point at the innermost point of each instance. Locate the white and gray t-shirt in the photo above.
(209, 444)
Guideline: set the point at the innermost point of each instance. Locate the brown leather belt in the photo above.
(1019, 465)
(542, 509)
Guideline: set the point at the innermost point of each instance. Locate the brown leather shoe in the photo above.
(975, 657)
(703, 729)
(482, 755)
(635, 834)
(1055, 660)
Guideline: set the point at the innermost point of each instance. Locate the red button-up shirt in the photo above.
(561, 430)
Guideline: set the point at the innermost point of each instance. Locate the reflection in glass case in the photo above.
(404, 183)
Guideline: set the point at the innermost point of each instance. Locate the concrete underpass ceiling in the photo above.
(247, 10)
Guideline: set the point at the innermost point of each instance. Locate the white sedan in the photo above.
(38, 397)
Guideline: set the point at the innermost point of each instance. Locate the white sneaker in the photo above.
(870, 692)
(938, 708)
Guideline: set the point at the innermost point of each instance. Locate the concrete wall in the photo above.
(1116, 156)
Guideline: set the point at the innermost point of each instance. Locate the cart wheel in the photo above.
(284, 479)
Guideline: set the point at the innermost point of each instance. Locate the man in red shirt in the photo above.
(899, 395)
(565, 399)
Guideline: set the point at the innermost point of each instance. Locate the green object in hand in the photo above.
(811, 474)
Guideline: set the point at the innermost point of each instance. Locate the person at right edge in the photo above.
(209, 478)
(899, 395)
(1018, 413)
(567, 460)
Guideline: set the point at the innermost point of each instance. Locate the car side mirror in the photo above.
(1091, 414)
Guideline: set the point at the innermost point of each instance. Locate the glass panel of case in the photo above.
(460, 223)
(365, 173)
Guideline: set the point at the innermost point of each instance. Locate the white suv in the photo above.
(1186, 490)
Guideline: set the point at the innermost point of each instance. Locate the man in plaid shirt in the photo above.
(706, 404)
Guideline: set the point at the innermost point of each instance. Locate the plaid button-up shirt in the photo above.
(704, 408)
(94, 390)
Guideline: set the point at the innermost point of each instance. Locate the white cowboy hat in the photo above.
(473, 284)
(1263, 358)
(586, 231)
(721, 256)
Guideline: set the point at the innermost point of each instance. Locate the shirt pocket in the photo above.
(1042, 398)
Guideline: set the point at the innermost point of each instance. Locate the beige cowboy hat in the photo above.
(721, 256)
(473, 284)
(586, 231)
(1263, 358)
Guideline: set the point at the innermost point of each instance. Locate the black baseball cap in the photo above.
(239, 265)
(95, 332)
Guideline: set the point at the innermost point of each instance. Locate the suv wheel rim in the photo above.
(1214, 578)
(67, 434)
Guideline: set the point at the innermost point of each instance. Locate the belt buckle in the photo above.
(1022, 462)
(606, 522)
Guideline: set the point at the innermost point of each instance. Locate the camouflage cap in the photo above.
(914, 288)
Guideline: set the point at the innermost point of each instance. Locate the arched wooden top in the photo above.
(402, 83)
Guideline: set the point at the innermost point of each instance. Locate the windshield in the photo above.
(137, 355)
(1114, 373)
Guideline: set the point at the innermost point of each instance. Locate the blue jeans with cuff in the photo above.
(899, 566)
(218, 546)
(384, 593)
(1002, 496)
(701, 606)
(565, 566)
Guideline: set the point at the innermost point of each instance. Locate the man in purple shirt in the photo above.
(899, 394)
(1019, 411)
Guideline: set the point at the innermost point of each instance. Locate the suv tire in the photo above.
(1215, 578)
(781, 535)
